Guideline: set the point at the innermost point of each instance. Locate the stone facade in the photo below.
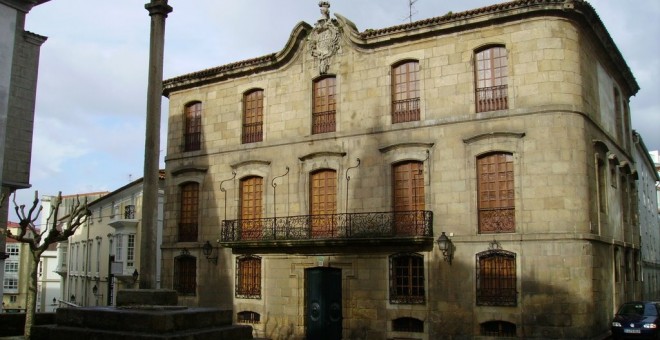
(566, 127)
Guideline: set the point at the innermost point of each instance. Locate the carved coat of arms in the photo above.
(324, 39)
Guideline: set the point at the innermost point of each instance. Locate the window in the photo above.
(408, 197)
(323, 116)
(11, 283)
(193, 127)
(407, 278)
(491, 79)
(253, 116)
(12, 249)
(119, 247)
(185, 275)
(496, 278)
(405, 92)
(498, 328)
(323, 198)
(248, 277)
(251, 192)
(130, 250)
(408, 325)
(602, 186)
(496, 193)
(11, 267)
(189, 212)
(248, 317)
(618, 115)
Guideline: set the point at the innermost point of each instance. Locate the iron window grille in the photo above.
(407, 279)
(405, 92)
(248, 277)
(496, 193)
(185, 275)
(248, 317)
(407, 324)
(496, 278)
(188, 219)
(129, 212)
(498, 328)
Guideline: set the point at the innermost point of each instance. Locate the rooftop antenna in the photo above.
(411, 10)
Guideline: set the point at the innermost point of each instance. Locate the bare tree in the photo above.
(56, 230)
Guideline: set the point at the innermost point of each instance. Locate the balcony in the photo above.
(405, 230)
(125, 221)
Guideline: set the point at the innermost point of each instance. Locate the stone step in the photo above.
(49, 332)
(153, 319)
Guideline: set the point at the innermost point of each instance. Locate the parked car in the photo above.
(637, 320)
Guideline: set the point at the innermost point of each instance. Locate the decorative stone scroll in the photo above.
(324, 39)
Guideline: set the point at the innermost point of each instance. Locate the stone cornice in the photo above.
(578, 11)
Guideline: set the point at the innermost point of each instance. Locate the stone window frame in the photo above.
(329, 111)
(415, 289)
(252, 117)
(493, 90)
(192, 126)
(411, 104)
(252, 288)
(505, 273)
(191, 222)
(185, 275)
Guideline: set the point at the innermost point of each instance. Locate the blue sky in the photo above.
(90, 111)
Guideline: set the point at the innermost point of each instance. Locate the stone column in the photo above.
(158, 10)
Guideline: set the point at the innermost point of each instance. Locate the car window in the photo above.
(650, 310)
(631, 309)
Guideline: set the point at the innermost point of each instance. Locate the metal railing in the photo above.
(330, 226)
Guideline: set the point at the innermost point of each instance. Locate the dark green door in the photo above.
(323, 315)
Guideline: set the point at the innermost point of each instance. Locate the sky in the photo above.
(91, 94)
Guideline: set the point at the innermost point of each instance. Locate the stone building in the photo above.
(19, 64)
(464, 175)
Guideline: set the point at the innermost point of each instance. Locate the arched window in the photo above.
(491, 68)
(407, 324)
(248, 317)
(193, 127)
(407, 279)
(248, 277)
(253, 116)
(405, 92)
(496, 278)
(185, 274)
(251, 193)
(188, 212)
(323, 200)
(498, 328)
(496, 202)
(324, 108)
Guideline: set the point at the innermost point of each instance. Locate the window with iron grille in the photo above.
(248, 277)
(407, 279)
(193, 127)
(188, 215)
(253, 116)
(248, 317)
(323, 116)
(405, 92)
(496, 278)
(185, 275)
(498, 328)
(496, 193)
(491, 68)
(407, 324)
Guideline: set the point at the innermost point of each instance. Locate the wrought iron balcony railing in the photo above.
(331, 226)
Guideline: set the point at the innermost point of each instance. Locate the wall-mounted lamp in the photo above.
(135, 276)
(207, 250)
(73, 298)
(95, 292)
(54, 301)
(447, 248)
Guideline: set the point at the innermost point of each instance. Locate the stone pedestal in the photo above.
(143, 314)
